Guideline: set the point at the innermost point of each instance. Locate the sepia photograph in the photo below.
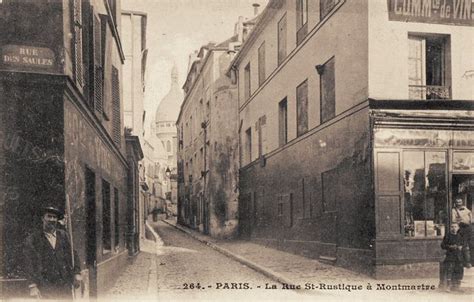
(236, 150)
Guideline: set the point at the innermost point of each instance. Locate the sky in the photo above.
(175, 28)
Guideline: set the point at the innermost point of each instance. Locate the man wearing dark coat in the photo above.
(48, 260)
(452, 270)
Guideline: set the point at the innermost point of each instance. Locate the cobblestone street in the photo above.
(184, 265)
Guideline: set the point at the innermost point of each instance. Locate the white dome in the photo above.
(169, 107)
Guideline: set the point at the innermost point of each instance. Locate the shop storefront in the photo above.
(423, 159)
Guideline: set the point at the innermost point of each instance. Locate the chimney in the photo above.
(255, 8)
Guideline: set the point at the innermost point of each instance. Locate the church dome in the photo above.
(169, 107)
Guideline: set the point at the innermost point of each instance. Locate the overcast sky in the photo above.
(178, 27)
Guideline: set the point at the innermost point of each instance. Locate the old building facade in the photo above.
(207, 145)
(356, 129)
(62, 134)
(133, 37)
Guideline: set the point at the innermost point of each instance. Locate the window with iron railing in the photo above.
(428, 63)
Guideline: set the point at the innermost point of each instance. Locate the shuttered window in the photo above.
(116, 131)
(328, 90)
(98, 67)
(77, 41)
(282, 39)
(302, 108)
(261, 64)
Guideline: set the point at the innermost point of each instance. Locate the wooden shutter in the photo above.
(328, 91)
(282, 39)
(98, 68)
(77, 41)
(261, 64)
(116, 121)
(302, 108)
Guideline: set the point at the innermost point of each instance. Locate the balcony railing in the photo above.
(419, 92)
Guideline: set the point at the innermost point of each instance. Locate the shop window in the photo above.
(106, 219)
(425, 194)
(428, 74)
(325, 6)
(328, 89)
(261, 64)
(282, 39)
(283, 122)
(301, 20)
(302, 108)
(247, 86)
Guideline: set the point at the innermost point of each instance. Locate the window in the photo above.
(427, 73)
(116, 122)
(247, 87)
(106, 231)
(328, 90)
(248, 145)
(168, 146)
(261, 64)
(280, 205)
(301, 20)
(325, 6)
(98, 42)
(77, 40)
(282, 39)
(425, 194)
(261, 127)
(329, 180)
(302, 108)
(283, 122)
(117, 218)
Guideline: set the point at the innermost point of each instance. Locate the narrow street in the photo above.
(189, 269)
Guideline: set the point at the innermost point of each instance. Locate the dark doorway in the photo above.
(463, 186)
(91, 245)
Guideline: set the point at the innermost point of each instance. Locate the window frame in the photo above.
(323, 100)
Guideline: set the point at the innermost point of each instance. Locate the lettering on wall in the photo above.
(422, 138)
(30, 57)
(455, 12)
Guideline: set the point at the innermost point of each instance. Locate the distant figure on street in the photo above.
(463, 217)
(48, 260)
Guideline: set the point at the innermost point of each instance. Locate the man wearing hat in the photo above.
(48, 262)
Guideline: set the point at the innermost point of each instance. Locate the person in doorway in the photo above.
(451, 269)
(49, 267)
(463, 217)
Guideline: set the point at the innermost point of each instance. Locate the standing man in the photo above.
(462, 216)
(48, 259)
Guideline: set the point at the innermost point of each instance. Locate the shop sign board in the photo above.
(27, 57)
(423, 138)
(452, 12)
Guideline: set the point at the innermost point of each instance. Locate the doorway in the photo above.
(463, 186)
(91, 239)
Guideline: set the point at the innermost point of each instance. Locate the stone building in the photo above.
(208, 143)
(133, 37)
(356, 129)
(61, 132)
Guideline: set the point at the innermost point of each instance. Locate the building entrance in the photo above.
(463, 186)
